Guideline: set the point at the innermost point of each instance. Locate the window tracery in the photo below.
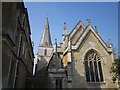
(93, 68)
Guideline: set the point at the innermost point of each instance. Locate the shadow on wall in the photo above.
(41, 78)
(41, 63)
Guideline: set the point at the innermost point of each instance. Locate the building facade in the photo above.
(17, 49)
(82, 60)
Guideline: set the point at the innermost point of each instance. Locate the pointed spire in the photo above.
(64, 32)
(55, 41)
(46, 39)
(55, 46)
(65, 29)
(109, 43)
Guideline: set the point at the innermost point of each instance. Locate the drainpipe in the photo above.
(17, 61)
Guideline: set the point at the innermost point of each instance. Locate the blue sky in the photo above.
(102, 14)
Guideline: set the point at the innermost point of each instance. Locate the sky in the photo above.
(104, 15)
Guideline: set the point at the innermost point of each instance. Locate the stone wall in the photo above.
(17, 50)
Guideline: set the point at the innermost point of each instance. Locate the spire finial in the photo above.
(65, 26)
(88, 21)
(55, 41)
(65, 29)
(109, 43)
(64, 32)
(47, 15)
(46, 19)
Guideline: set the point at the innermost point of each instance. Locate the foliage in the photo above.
(115, 70)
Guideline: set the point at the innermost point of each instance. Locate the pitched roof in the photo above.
(76, 28)
(46, 38)
(86, 31)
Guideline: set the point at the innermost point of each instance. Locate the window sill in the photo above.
(96, 82)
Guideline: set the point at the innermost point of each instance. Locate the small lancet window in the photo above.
(45, 52)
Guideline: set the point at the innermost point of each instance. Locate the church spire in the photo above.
(46, 39)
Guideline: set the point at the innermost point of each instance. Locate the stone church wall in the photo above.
(91, 42)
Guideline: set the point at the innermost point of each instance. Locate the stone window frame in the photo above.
(93, 66)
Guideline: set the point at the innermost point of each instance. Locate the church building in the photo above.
(82, 60)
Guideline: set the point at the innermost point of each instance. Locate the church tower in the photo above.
(45, 47)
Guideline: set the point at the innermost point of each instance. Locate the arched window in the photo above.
(93, 67)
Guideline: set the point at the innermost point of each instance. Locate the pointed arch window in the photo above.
(93, 67)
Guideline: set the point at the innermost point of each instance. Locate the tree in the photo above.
(115, 70)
